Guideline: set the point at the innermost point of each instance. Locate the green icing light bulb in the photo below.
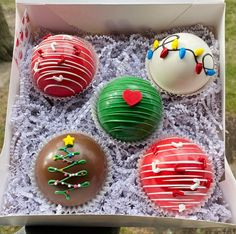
(129, 108)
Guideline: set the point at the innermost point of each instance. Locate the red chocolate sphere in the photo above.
(176, 175)
(63, 65)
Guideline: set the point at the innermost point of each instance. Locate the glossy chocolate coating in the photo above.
(96, 166)
(127, 123)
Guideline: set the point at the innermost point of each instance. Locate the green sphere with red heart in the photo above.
(129, 108)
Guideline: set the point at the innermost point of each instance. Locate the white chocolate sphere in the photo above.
(184, 68)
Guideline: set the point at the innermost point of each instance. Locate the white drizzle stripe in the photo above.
(184, 143)
(58, 67)
(181, 187)
(57, 78)
(53, 45)
(66, 37)
(61, 40)
(150, 165)
(69, 55)
(178, 209)
(57, 85)
(171, 185)
(64, 78)
(70, 52)
(171, 149)
(182, 207)
(160, 193)
(177, 144)
(65, 49)
(172, 199)
(173, 180)
(176, 162)
(180, 201)
(72, 42)
(170, 207)
(186, 193)
(180, 154)
(171, 176)
(189, 193)
(200, 171)
(67, 62)
(36, 67)
(173, 169)
(48, 73)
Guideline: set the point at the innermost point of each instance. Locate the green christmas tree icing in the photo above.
(68, 159)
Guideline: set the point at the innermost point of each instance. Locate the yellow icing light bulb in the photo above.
(175, 44)
(155, 44)
(199, 51)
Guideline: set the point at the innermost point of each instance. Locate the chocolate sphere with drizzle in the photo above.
(176, 175)
(180, 64)
(63, 65)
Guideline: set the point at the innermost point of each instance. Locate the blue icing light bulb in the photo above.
(182, 53)
(149, 54)
(210, 72)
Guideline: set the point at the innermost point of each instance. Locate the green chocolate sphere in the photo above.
(129, 108)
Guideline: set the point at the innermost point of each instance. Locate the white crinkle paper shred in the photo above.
(36, 118)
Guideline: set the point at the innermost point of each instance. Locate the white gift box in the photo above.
(106, 16)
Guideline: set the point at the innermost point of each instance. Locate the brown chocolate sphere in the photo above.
(71, 169)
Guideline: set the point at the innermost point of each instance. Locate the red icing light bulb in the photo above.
(164, 53)
(176, 175)
(63, 65)
(198, 68)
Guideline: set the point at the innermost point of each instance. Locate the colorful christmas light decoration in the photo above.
(198, 52)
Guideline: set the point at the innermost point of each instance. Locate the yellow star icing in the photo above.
(68, 140)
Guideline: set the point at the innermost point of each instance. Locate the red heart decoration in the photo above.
(132, 97)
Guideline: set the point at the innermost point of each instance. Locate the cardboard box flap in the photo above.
(38, 2)
(111, 221)
(105, 18)
(106, 15)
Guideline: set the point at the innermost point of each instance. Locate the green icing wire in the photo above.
(68, 175)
